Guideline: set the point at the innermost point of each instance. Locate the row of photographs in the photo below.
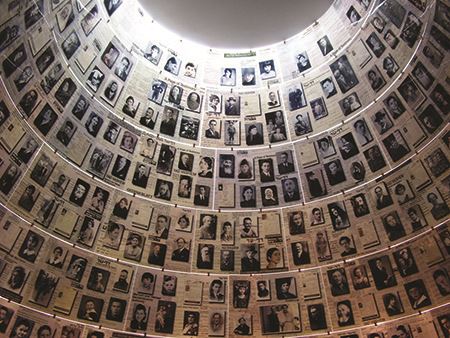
(16, 319)
(74, 208)
(190, 126)
(240, 291)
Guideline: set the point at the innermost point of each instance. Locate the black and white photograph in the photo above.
(302, 124)
(80, 107)
(350, 104)
(338, 215)
(344, 74)
(175, 94)
(396, 146)
(90, 20)
(66, 132)
(394, 105)
(390, 66)
(95, 79)
(267, 70)
(411, 93)
(353, 15)
(417, 294)
(76, 268)
(169, 120)
(344, 313)
(375, 44)
(205, 256)
(254, 134)
(423, 76)
(328, 87)
(88, 231)
(23, 78)
(214, 128)
(296, 97)
(393, 226)
(303, 62)
(382, 121)
(194, 102)
(441, 98)
(232, 105)
(316, 183)
(172, 65)
(42, 170)
(337, 278)
(214, 104)
(360, 278)
(405, 262)
(123, 68)
(241, 294)
(65, 16)
(430, 119)
(273, 315)
(134, 246)
(247, 195)
(111, 91)
(149, 118)
(291, 191)
(391, 39)
(248, 76)
(112, 5)
(98, 279)
(163, 189)
(70, 45)
(29, 102)
(335, 172)
(79, 192)
(166, 159)
(116, 309)
(130, 108)
(157, 91)
(269, 196)
(121, 167)
(191, 321)
(362, 132)
(90, 308)
(347, 146)
(378, 23)
(28, 197)
(31, 246)
(382, 272)
(46, 119)
(113, 235)
(65, 91)
(153, 53)
(375, 78)
(318, 108)
(411, 30)
(189, 127)
(232, 132)
(393, 304)
(300, 253)
(18, 57)
(325, 45)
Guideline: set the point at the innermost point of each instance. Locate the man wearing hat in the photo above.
(382, 121)
(231, 107)
(283, 286)
(249, 262)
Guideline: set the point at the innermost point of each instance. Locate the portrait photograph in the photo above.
(44, 287)
(112, 91)
(65, 16)
(31, 246)
(232, 132)
(382, 272)
(325, 45)
(157, 91)
(375, 79)
(95, 79)
(90, 20)
(232, 105)
(113, 235)
(241, 294)
(396, 146)
(173, 65)
(344, 74)
(411, 29)
(318, 108)
(65, 91)
(328, 87)
(66, 132)
(360, 278)
(134, 246)
(394, 105)
(350, 104)
(76, 268)
(194, 102)
(248, 76)
(375, 44)
(296, 97)
(271, 315)
(189, 128)
(45, 120)
(153, 53)
(411, 93)
(112, 5)
(166, 158)
(90, 308)
(42, 170)
(267, 70)
(43, 61)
